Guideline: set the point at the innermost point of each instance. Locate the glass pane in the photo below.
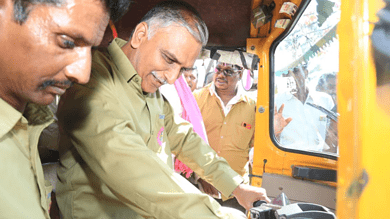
(306, 67)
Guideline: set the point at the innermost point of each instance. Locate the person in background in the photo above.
(229, 117)
(381, 47)
(191, 79)
(118, 132)
(170, 92)
(45, 48)
(307, 125)
(327, 84)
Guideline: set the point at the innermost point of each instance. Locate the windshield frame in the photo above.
(274, 45)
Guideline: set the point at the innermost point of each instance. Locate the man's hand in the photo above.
(279, 121)
(208, 188)
(246, 195)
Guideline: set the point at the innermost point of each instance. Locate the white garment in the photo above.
(234, 100)
(308, 127)
(170, 93)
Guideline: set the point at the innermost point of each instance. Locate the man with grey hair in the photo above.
(118, 132)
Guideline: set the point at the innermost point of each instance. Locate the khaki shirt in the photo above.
(115, 151)
(230, 136)
(23, 193)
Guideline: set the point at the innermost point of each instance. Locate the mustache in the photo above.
(161, 80)
(221, 78)
(48, 83)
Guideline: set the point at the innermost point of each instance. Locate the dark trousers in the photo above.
(232, 203)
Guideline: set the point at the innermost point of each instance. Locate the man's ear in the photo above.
(140, 35)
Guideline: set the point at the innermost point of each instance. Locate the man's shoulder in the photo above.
(319, 94)
(99, 85)
(284, 96)
(101, 70)
(322, 98)
(200, 93)
(101, 61)
(249, 99)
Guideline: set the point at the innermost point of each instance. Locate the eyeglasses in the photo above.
(227, 71)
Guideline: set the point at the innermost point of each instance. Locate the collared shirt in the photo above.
(308, 127)
(230, 131)
(115, 151)
(226, 109)
(23, 193)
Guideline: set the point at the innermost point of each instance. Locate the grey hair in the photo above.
(179, 13)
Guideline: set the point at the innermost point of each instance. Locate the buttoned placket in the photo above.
(32, 134)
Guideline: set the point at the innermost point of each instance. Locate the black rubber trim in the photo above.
(251, 175)
(315, 173)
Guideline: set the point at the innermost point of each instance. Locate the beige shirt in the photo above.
(115, 151)
(23, 193)
(230, 131)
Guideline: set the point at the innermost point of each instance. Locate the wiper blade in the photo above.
(332, 115)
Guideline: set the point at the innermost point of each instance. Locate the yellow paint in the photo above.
(278, 161)
(364, 128)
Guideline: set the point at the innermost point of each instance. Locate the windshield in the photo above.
(305, 76)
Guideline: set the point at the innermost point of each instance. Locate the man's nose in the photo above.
(80, 70)
(221, 74)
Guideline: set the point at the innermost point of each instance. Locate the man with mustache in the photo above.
(118, 132)
(45, 47)
(229, 117)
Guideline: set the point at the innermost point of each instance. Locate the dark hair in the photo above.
(324, 79)
(167, 13)
(298, 68)
(116, 8)
(381, 45)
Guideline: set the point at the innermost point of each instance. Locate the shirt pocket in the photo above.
(241, 135)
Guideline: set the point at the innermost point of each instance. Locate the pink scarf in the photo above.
(192, 114)
(248, 84)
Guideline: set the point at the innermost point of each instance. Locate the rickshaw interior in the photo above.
(289, 37)
(296, 48)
